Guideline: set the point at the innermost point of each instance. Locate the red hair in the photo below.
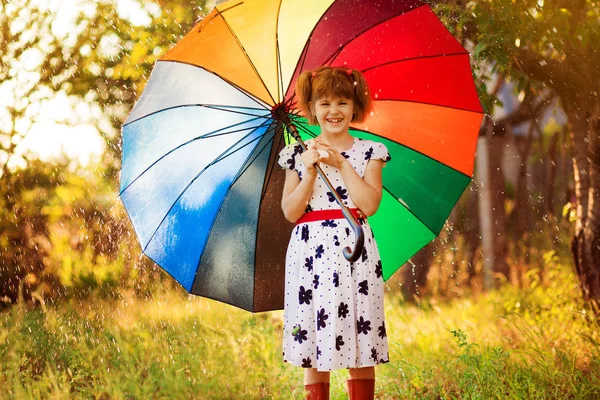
(340, 82)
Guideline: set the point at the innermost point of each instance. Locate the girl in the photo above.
(333, 314)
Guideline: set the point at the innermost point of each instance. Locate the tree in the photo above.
(102, 60)
(555, 45)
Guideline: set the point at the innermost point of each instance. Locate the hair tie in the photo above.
(349, 71)
(314, 73)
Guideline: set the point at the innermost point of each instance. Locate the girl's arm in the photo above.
(296, 192)
(364, 192)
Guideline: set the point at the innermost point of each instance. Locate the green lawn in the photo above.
(537, 343)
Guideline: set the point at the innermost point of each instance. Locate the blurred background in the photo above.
(527, 228)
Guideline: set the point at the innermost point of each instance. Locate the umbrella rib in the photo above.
(462, 53)
(417, 217)
(223, 108)
(332, 57)
(231, 83)
(430, 104)
(191, 182)
(196, 105)
(301, 61)
(304, 53)
(278, 55)
(269, 172)
(255, 157)
(221, 158)
(206, 135)
(247, 56)
(279, 73)
(415, 150)
(306, 130)
(229, 8)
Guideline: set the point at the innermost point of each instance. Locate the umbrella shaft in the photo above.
(351, 255)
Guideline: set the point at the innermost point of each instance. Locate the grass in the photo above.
(534, 343)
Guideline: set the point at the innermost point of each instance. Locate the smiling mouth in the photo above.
(334, 120)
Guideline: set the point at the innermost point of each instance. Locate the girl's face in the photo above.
(333, 114)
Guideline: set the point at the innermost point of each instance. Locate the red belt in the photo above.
(322, 215)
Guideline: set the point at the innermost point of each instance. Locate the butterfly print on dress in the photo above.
(378, 269)
(308, 264)
(299, 334)
(339, 342)
(321, 318)
(304, 233)
(304, 296)
(369, 154)
(292, 162)
(340, 191)
(306, 363)
(297, 150)
(343, 310)
(363, 287)
(316, 281)
(319, 252)
(363, 326)
(329, 222)
(374, 354)
(336, 279)
(381, 329)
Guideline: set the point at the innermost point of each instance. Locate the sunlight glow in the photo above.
(61, 126)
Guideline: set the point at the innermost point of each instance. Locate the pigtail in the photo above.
(362, 96)
(304, 93)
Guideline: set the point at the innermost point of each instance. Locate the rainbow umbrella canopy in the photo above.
(199, 177)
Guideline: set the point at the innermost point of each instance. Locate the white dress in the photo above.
(333, 315)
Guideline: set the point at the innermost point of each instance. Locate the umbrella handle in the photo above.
(351, 255)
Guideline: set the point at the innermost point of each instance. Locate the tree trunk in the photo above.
(414, 273)
(583, 117)
(497, 146)
(520, 216)
(472, 238)
(485, 206)
(552, 165)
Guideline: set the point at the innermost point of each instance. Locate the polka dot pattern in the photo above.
(334, 314)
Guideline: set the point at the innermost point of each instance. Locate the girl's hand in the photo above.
(335, 158)
(309, 158)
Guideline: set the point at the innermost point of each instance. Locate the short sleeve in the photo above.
(287, 156)
(380, 152)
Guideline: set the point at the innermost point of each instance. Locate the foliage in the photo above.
(23, 229)
(538, 43)
(62, 230)
(61, 227)
(535, 343)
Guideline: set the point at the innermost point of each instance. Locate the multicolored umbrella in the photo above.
(199, 177)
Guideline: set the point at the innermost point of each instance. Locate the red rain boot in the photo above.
(361, 389)
(317, 391)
